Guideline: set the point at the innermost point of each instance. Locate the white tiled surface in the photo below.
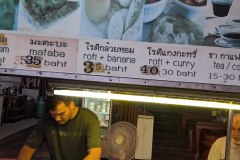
(10, 128)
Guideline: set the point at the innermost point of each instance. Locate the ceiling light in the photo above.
(150, 99)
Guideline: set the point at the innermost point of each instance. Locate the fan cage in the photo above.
(129, 132)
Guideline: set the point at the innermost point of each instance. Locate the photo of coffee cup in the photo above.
(231, 37)
(221, 7)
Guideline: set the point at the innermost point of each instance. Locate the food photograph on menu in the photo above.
(187, 22)
(158, 21)
(223, 24)
(8, 14)
(174, 21)
(112, 19)
(50, 16)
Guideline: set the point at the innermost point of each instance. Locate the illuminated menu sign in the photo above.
(160, 62)
(167, 40)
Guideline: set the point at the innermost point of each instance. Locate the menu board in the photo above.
(159, 62)
(168, 40)
(7, 49)
(45, 53)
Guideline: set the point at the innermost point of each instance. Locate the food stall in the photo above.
(176, 50)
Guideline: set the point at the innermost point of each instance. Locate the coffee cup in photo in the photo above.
(231, 37)
(221, 7)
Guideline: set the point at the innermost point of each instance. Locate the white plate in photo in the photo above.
(225, 28)
(235, 22)
(223, 43)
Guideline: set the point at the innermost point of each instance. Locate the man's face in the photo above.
(236, 128)
(61, 113)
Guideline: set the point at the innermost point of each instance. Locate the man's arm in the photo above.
(25, 153)
(93, 154)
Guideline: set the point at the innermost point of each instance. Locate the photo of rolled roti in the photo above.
(97, 9)
(111, 19)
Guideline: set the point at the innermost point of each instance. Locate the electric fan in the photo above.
(120, 141)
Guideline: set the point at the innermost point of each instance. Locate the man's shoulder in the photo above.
(221, 140)
(86, 113)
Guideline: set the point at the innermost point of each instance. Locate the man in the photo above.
(70, 132)
(217, 151)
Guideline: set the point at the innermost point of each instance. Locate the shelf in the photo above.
(14, 108)
(20, 108)
(16, 117)
(101, 112)
(103, 126)
(14, 97)
(97, 106)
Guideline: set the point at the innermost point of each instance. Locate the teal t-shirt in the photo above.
(70, 141)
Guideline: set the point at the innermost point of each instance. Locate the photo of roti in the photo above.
(176, 30)
(50, 17)
(125, 3)
(133, 12)
(97, 9)
(132, 33)
(111, 19)
(116, 26)
(43, 13)
(7, 14)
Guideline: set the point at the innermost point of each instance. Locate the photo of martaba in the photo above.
(52, 17)
(43, 13)
(8, 14)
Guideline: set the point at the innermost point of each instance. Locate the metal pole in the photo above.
(229, 135)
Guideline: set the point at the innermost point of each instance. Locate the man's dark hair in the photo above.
(52, 101)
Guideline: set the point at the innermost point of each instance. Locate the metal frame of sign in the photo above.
(117, 80)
